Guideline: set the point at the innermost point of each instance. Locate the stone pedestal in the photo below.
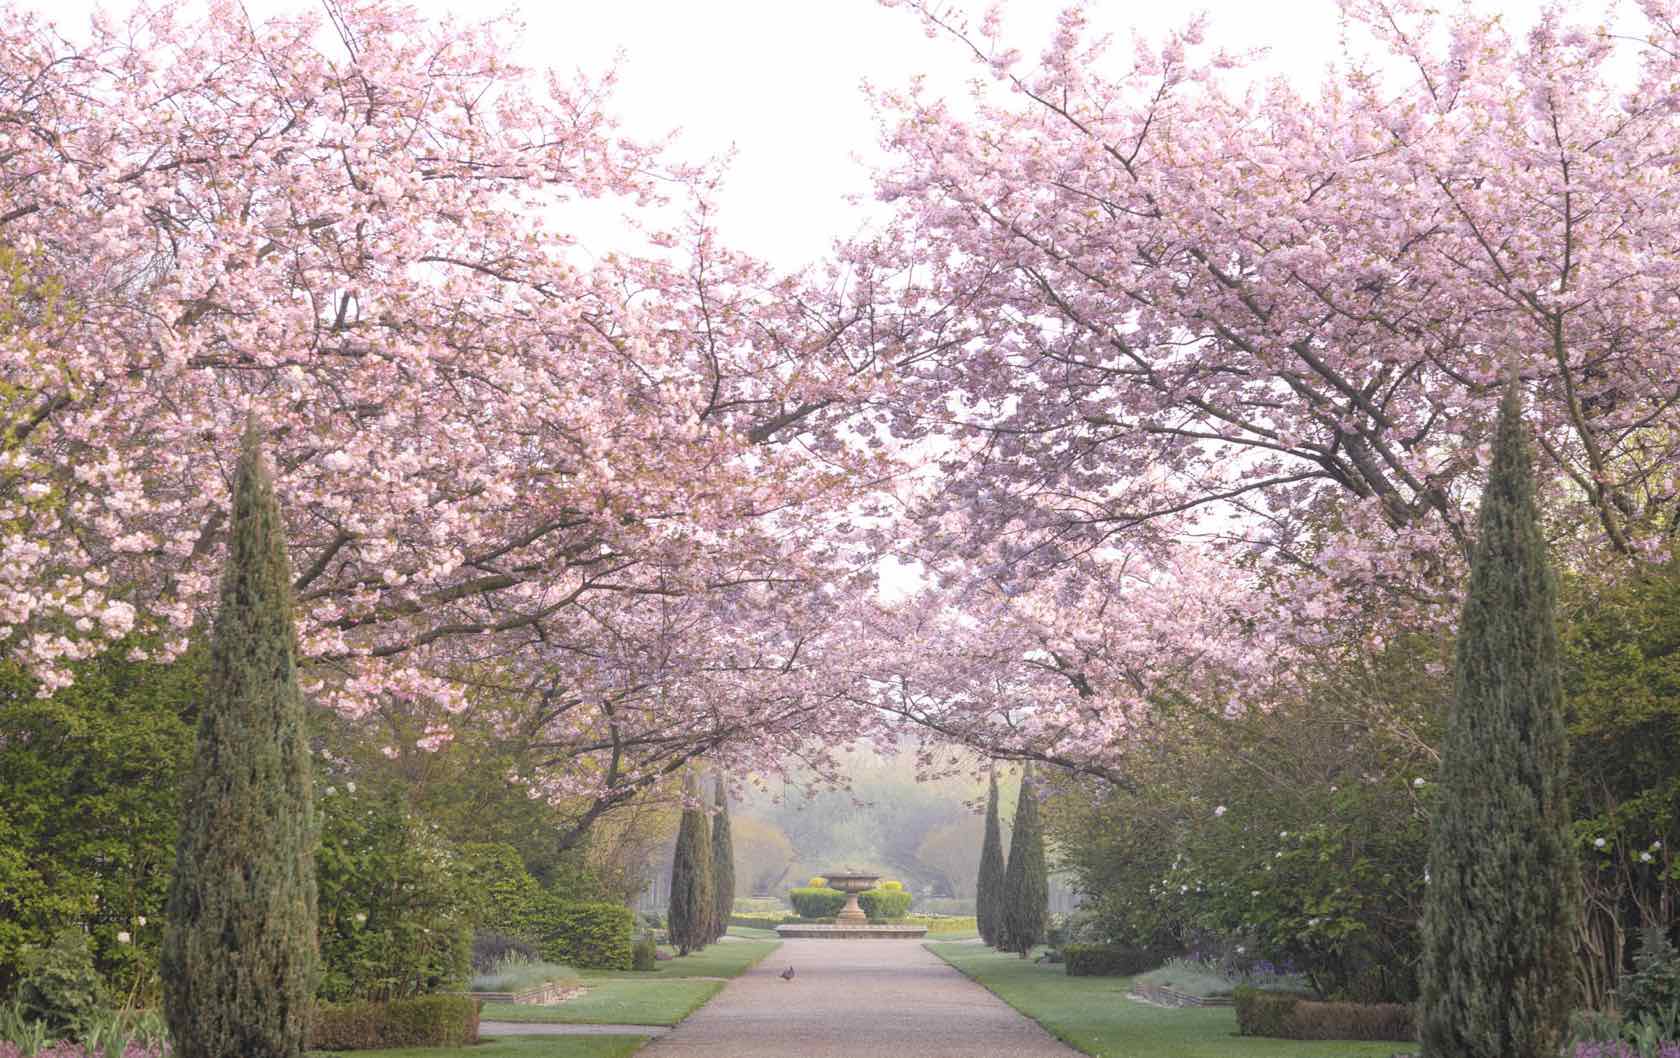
(852, 884)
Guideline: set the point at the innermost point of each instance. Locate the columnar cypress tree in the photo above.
(1026, 882)
(723, 865)
(239, 951)
(1502, 877)
(692, 905)
(989, 886)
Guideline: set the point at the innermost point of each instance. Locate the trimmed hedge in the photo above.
(936, 924)
(884, 905)
(1261, 1013)
(423, 1021)
(595, 936)
(816, 903)
(1109, 960)
(1291, 1016)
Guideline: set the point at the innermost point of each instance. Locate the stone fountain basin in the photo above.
(848, 882)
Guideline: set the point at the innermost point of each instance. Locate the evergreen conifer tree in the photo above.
(1026, 881)
(989, 886)
(239, 954)
(1497, 950)
(723, 865)
(692, 902)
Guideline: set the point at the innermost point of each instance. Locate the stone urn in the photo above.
(851, 883)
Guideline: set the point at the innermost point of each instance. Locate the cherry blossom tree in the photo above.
(358, 230)
(1133, 296)
(1204, 369)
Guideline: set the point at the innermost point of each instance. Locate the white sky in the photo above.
(779, 80)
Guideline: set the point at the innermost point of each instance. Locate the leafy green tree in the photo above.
(723, 865)
(503, 896)
(692, 885)
(239, 953)
(990, 882)
(1026, 881)
(1296, 833)
(1502, 894)
(89, 809)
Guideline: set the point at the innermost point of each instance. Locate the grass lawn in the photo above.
(615, 1000)
(1094, 1015)
(627, 997)
(519, 1047)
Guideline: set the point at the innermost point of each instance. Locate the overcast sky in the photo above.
(779, 80)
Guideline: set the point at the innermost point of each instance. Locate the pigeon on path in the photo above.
(787, 974)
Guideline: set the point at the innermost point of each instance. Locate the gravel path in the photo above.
(856, 999)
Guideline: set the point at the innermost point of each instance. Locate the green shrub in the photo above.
(645, 955)
(503, 897)
(59, 984)
(1653, 988)
(759, 905)
(1109, 960)
(89, 808)
(817, 903)
(395, 918)
(595, 936)
(890, 884)
(884, 905)
(421, 1021)
(818, 882)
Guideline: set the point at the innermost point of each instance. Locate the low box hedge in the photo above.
(1292, 1016)
(1109, 960)
(594, 936)
(941, 924)
(884, 905)
(809, 902)
(423, 1021)
(936, 924)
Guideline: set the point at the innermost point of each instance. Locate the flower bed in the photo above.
(1161, 995)
(547, 992)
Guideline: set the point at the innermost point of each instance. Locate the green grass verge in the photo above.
(518, 1047)
(663, 996)
(614, 1001)
(1094, 1015)
(753, 933)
